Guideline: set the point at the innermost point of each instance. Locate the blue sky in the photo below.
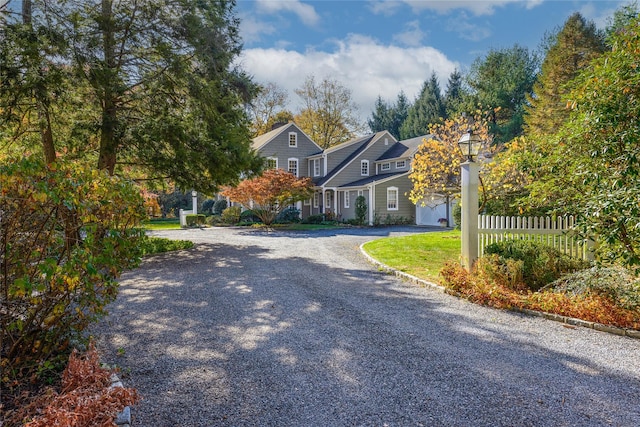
(382, 47)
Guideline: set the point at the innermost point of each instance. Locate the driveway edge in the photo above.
(569, 321)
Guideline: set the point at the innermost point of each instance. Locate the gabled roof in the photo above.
(262, 140)
(363, 141)
(374, 178)
(405, 148)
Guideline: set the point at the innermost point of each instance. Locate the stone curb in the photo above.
(631, 333)
(123, 419)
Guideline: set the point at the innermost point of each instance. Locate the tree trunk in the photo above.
(40, 96)
(108, 142)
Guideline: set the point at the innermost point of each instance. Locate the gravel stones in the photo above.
(256, 328)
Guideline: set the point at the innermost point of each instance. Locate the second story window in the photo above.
(316, 167)
(293, 166)
(293, 139)
(401, 164)
(386, 166)
(364, 167)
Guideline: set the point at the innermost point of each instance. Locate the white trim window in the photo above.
(346, 200)
(271, 163)
(327, 201)
(293, 166)
(364, 167)
(307, 202)
(401, 164)
(293, 139)
(360, 193)
(385, 166)
(316, 167)
(316, 200)
(392, 198)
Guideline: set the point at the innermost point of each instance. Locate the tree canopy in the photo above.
(428, 109)
(329, 114)
(146, 86)
(270, 193)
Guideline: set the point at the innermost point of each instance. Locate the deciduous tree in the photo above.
(270, 193)
(268, 108)
(436, 166)
(329, 115)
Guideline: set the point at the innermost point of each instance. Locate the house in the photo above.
(375, 166)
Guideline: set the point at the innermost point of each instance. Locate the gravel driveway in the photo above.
(251, 328)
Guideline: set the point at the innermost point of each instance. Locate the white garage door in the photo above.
(429, 215)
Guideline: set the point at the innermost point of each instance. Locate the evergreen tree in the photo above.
(428, 109)
(454, 95)
(500, 83)
(576, 44)
(381, 117)
(399, 114)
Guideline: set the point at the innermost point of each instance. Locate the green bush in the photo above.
(457, 215)
(195, 220)
(208, 206)
(219, 206)
(155, 245)
(361, 210)
(288, 216)
(231, 215)
(313, 219)
(67, 232)
(535, 264)
(249, 216)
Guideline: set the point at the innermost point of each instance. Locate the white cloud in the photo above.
(365, 66)
(252, 29)
(412, 36)
(467, 30)
(305, 12)
(476, 7)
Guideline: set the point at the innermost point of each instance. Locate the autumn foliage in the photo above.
(85, 398)
(436, 166)
(66, 233)
(270, 193)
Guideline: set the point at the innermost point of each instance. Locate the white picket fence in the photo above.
(552, 231)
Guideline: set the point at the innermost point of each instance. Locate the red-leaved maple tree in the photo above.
(270, 193)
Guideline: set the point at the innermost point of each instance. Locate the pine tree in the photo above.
(576, 44)
(428, 109)
(381, 117)
(454, 94)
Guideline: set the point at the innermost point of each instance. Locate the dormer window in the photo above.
(293, 139)
(386, 167)
(364, 167)
(401, 164)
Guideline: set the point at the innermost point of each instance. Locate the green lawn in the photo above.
(421, 255)
(162, 224)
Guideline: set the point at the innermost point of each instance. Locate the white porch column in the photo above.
(335, 203)
(371, 204)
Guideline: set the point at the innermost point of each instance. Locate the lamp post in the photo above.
(469, 145)
(194, 201)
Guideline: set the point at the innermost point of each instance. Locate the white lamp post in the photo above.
(469, 146)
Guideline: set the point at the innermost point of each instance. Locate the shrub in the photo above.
(195, 220)
(616, 283)
(66, 233)
(457, 215)
(396, 220)
(208, 206)
(219, 206)
(155, 245)
(361, 210)
(231, 215)
(535, 264)
(313, 219)
(289, 215)
(249, 216)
